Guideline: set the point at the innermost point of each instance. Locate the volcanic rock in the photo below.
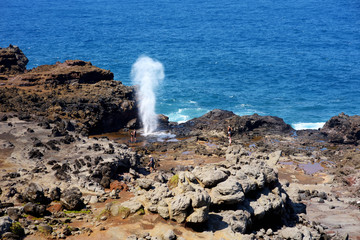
(34, 193)
(343, 129)
(215, 123)
(5, 224)
(34, 209)
(12, 61)
(71, 199)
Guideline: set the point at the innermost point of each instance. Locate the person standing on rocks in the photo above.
(133, 136)
(229, 134)
(151, 164)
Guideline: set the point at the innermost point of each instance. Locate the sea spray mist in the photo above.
(147, 74)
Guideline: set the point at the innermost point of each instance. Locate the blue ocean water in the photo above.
(298, 60)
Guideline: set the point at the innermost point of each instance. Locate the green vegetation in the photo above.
(105, 212)
(141, 211)
(84, 211)
(173, 182)
(17, 229)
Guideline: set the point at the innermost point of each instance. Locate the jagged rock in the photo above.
(5, 224)
(343, 129)
(215, 122)
(199, 198)
(105, 182)
(34, 209)
(145, 183)
(227, 192)
(12, 61)
(71, 199)
(34, 193)
(179, 207)
(163, 209)
(55, 194)
(199, 215)
(239, 220)
(209, 177)
(267, 204)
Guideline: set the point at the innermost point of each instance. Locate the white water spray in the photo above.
(147, 74)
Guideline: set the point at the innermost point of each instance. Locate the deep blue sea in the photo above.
(295, 59)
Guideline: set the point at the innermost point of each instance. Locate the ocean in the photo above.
(298, 60)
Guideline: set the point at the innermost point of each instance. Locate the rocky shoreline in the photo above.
(59, 180)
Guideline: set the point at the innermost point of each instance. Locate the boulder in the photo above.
(179, 207)
(12, 61)
(227, 192)
(55, 194)
(199, 215)
(5, 224)
(71, 199)
(343, 129)
(209, 177)
(34, 209)
(239, 220)
(34, 193)
(199, 198)
(215, 122)
(145, 183)
(14, 213)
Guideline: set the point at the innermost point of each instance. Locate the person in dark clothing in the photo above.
(151, 163)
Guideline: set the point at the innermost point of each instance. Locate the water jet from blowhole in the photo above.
(147, 74)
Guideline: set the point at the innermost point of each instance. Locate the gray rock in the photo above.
(239, 221)
(34, 209)
(145, 183)
(14, 213)
(179, 207)
(227, 192)
(199, 215)
(71, 199)
(5, 224)
(199, 198)
(44, 228)
(291, 233)
(34, 193)
(55, 194)
(163, 209)
(132, 205)
(93, 199)
(209, 176)
(169, 235)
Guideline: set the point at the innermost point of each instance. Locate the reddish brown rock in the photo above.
(56, 207)
(118, 186)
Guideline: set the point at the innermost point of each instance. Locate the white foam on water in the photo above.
(303, 126)
(160, 136)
